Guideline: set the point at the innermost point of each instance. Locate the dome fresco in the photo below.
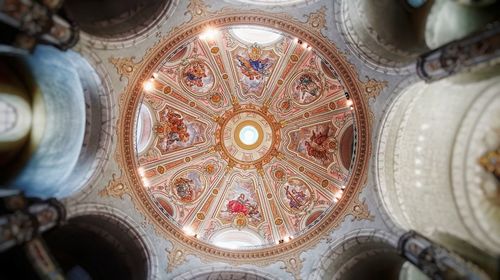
(248, 143)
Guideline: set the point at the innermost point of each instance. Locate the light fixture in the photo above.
(208, 34)
(189, 231)
(141, 171)
(338, 195)
(148, 85)
(349, 102)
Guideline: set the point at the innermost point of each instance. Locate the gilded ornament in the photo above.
(240, 221)
(373, 88)
(317, 19)
(200, 216)
(491, 162)
(360, 211)
(332, 106)
(115, 188)
(294, 266)
(210, 168)
(160, 169)
(279, 174)
(175, 258)
(167, 90)
(197, 8)
(324, 183)
(125, 66)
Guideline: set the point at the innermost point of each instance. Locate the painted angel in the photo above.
(317, 146)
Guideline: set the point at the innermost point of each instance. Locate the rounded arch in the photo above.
(99, 113)
(453, 20)
(113, 224)
(388, 43)
(362, 254)
(225, 272)
(111, 24)
(71, 115)
(231, 238)
(429, 144)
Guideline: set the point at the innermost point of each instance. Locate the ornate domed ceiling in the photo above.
(243, 137)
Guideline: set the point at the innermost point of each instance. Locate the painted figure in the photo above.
(254, 66)
(243, 206)
(317, 146)
(188, 186)
(184, 189)
(174, 128)
(307, 89)
(297, 194)
(238, 205)
(296, 199)
(197, 77)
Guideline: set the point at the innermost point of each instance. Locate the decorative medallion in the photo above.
(125, 67)
(249, 136)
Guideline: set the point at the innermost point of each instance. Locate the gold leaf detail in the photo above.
(293, 266)
(491, 162)
(373, 88)
(115, 188)
(197, 8)
(360, 211)
(175, 258)
(317, 20)
(125, 67)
